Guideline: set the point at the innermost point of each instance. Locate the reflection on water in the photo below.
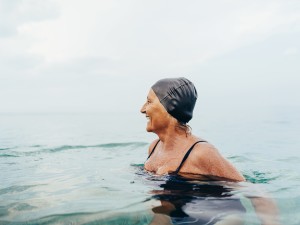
(191, 201)
(194, 199)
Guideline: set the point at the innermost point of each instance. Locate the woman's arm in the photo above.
(266, 210)
(208, 161)
(263, 204)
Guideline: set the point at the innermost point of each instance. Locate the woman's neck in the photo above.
(172, 138)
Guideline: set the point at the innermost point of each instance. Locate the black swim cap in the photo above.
(178, 96)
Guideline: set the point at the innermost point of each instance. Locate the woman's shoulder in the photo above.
(204, 152)
(202, 144)
(204, 149)
(207, 157)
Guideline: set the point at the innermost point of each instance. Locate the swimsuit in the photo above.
(184, 158)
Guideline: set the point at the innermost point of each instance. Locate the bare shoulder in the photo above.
(204, 149)
(151, 146)
(208, 159)
(204, 153)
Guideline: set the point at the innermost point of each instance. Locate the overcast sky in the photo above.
(94, 56)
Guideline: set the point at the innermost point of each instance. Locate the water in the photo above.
(87, 168)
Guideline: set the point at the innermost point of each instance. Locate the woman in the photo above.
(169, 108)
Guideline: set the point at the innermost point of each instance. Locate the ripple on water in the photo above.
(239, 158)
(13, 189)
(258, 177)
(39, 150)
(93, 218)
(8, 156)
(105, 146)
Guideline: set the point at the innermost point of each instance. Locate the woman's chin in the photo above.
(148, 129)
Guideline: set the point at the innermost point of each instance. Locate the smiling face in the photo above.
(158, 118)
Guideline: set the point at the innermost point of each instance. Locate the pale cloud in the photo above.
(160, 32)
(71, 55)
(15, 57)
(14, 14)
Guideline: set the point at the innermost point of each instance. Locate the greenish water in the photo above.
(88, 168)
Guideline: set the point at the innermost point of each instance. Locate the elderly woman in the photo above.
(169, 108)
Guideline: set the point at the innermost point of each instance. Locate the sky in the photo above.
(103, 56)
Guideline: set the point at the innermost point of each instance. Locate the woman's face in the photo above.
(157, 116)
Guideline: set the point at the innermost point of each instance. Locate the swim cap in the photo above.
(178, 96)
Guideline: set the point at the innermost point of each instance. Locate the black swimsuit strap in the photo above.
(186, 156)
(153, 149)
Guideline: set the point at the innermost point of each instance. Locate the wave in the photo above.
(3, 149)
(239, 158)
(294, 159)
(257, 177)
(140, 217)
(71, 147)
(8, 155)
(13, 189)
(107, 145)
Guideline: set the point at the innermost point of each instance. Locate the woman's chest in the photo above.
(161, 164)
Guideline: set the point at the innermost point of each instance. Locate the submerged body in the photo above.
(188, 200)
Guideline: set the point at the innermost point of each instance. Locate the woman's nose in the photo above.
(143, 110)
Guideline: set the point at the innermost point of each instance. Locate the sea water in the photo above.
(88, 168)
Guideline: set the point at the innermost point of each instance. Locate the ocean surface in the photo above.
(87, 168)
